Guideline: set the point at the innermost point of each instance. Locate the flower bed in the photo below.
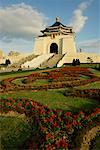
(90, 93)
(52, 128)
(57, 78)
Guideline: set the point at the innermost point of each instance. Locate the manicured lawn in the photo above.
(88, 65)
(14, 132)
(96, 72)
(21, 73)
(40, 82)
(93, 85)
(83, 77)
(55, 99)
(18, 81)
(37, 82)
(17, 74)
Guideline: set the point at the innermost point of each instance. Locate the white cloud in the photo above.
(91, 44)
(78, 19)
(23, 46)
(20, 21)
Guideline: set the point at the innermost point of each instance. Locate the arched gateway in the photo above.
(56, 38)
(54, 48)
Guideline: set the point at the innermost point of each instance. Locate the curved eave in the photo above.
(49, 29)
(58, 32)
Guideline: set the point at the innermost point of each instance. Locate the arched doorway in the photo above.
(54, 48)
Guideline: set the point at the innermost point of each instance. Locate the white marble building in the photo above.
(57, 38)
(60, 39)
(55, 47)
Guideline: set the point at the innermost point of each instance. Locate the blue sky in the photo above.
(22, 20)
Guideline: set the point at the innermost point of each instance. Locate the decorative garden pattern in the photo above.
(54, 128)
(57, 78)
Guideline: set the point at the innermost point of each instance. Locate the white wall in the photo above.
(68, 58)
(38, 46)
(66, 44)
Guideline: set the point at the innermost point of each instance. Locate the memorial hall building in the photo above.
(55, 47)
(60, 40)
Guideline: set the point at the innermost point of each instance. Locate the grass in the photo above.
(37, 82)
(55, 99)
(85, 65)
(88, 65)
(14, 132)
(18, 81)
(96, 143)
(17, 74)
(96, 72)
(93, 85)
(83, 77)
(5, 75)
(40, 82)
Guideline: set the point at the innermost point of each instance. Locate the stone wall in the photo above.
(83, 57)
(66, 44)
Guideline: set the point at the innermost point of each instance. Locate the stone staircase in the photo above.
(52, 62)
(23, 60)
(36, 62)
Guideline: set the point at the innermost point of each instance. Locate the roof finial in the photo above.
(57, 19)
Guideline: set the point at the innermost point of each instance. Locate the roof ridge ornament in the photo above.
(57, 19)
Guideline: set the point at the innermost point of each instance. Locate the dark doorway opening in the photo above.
(54, 48)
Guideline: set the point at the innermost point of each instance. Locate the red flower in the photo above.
(75, 116)
(97, 110)
(54, 124)
(51, 119)
(46, 120)
(74, 122)
(8, 104)
(19, 104)
(69, 126)
(22, 110)
(32, 103)
(49, 147)
(59, 119)
(43, 129)
(68, 114)
(10, 99)
(48, 136)
(81, 113)
(86, 117)
(62, 143)
(42, 112)
(53, 116)
(27, 103)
